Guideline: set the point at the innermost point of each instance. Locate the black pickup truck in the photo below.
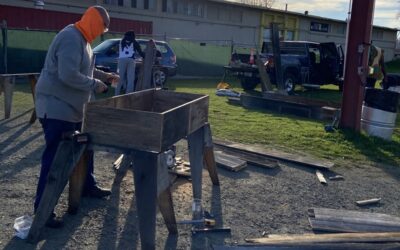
(305, 63)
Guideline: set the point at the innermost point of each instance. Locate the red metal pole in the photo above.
(356, 62)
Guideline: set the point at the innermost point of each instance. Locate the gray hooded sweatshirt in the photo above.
(68, 78)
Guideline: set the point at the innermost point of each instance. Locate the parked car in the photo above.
(107, 59)
(305, 63)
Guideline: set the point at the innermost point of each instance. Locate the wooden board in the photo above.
(314, 246)
(275, 154)
(336, 220)
(287, 105)
(251, 158)
(229, 162)
(149, 120)
(327, 238)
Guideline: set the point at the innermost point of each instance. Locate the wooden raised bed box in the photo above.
(148, 120)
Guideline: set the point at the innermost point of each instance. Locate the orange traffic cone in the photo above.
(251, 61)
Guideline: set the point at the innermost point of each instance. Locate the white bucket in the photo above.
(395, 89)
(377, 122)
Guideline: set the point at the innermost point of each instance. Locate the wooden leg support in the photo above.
(146, 196)
(60, 171)
(76, 182)
(196, 152)
(8, 88)
(164, 194)
(167, 210)
(209, 158)
(32, 80)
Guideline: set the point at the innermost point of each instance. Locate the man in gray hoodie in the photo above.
(67, 81)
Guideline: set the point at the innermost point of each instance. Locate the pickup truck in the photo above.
(305, 63)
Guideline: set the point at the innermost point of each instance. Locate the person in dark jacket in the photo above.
(126, 62)
(68, 80)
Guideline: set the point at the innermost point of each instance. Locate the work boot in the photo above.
(96, 192)
(54, 222)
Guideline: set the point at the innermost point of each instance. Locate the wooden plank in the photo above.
(351, 215)
(320, 177)
(368, 202)
(167, 210)
(124, 128)
(303, 160)
(8, 88)
(60, 171)
(32, 80)
(196, 155)
(76, 183)
(251, 158)
(229, 162)
(336, 220)
(145, 175)
(265, 81)
(314, 246)
(209, 157)
(181, 170)
(175, 126)
(350, 227)
(328, 238)
(145, 74)
(20, 74)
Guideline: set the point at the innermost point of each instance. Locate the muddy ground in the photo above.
(251, 202)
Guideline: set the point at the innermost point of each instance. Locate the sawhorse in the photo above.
(151, 180)
(7, 83)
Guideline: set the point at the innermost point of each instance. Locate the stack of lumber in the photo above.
(258, 153)
(334, 220)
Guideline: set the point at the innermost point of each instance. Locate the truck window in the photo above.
(317, 53)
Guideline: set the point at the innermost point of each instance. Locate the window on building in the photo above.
(340, 29)
(377, 34)
(319, 27)
(184, 7)
(266, 34)
(134, 3)
(146, 4)
(289, 35)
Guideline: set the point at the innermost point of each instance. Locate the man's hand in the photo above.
(101, 87)
(113, 79)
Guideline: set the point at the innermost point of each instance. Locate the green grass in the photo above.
(284, 132)
(289, 133)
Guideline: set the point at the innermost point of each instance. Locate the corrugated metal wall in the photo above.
(27, 18)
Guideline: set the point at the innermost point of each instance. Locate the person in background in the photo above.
(376, 63)
(126, 62)
(68, 80)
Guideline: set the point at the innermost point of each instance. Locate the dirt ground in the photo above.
(251, 202)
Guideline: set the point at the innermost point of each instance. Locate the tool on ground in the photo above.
(331, 127)
(206, 222)
(211, 230)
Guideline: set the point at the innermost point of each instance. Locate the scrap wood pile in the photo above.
(336, 228)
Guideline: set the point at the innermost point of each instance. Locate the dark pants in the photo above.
(370, 82)
(53, 130)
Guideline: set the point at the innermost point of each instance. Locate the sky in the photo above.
(385, 14)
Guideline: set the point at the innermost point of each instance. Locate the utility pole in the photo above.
(356, 62)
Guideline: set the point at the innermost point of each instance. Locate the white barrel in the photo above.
(378, 122)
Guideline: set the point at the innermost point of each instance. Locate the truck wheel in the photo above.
(248, 83)
(289, 83)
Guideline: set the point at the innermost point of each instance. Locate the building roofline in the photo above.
(292, 12)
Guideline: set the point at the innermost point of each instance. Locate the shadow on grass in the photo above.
(374, 148)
